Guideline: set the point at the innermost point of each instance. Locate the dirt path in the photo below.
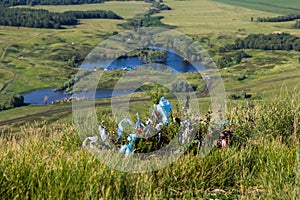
(9, 82)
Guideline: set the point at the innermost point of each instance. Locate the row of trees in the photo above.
(143, 21)
(284, 18)
(38, 18)
(93, 14)
(54, 2)
(283, 41)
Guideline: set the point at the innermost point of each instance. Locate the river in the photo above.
(173, 60)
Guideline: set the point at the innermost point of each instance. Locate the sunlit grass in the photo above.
(125, 9)
(209, 17)
(47, 161)
(273, 6)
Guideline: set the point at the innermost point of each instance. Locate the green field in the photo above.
(42, 157)
(43, 54)
(272, 6)
(124, 9)
(209, 17)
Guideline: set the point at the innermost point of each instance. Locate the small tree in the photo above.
(181, 86)
(156, 93)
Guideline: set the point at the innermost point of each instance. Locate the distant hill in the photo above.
(273, 6)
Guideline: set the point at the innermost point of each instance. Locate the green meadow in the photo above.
(125, 9)
(42, 157)
(43, 54)
(213, 18)
(272, 6)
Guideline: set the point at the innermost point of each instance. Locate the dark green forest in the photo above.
(93, 14)
(283, 41)
(38, 18)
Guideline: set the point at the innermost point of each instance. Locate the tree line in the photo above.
(38, 18)
(282, 41)
(93, 14)
(283, 18)
(54, 2)
(142, 20)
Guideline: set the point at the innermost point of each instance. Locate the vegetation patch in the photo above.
(27, 17)
(260, 163)
(284, 18)
(276, 41)
(147, 20)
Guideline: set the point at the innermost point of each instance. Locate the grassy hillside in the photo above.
(43, 54)
(41, 153)
(211, 17)
(33, 58)
(47, 161)
(272, 6)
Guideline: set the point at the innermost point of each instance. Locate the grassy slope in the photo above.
(221, 23)
(50, 163)
(210, 17)
(42, 48)
(273, 6)
(268, 73)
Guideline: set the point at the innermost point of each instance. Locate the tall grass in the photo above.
(47, 162)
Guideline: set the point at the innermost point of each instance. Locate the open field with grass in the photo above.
(124, 9)
(43, 54)
(214, 18)
(272, 6)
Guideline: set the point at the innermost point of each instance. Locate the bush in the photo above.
(181, 86)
